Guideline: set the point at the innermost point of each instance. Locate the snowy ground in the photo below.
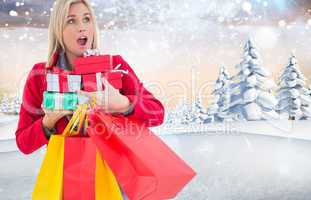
(229, 166)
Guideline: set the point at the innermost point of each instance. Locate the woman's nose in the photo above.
(81, 27)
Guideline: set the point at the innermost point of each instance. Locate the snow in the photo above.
(233, 160)
(247, 7)
(13, 13)
(8, 124)
(305, 99)
(268, 115)
(250, 95)
(253, 111)
(294, 93)
(267, 100)
(252, 80)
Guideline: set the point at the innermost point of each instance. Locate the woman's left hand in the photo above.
(110, 99)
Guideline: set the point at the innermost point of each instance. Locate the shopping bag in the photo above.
(86, 175)
(49, 184)
(73, 169)
(145, 167)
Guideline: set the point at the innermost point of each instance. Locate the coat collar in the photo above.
(59, 60)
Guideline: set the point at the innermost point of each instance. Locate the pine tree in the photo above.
(293, 95)
(15, 105)
(212, 111)
(5, 104)
(187, 113)
(182, 113)
(171, 117)
(200, 113)
(251, 90)
(221, 102)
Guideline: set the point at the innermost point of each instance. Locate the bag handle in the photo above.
(75, 124)
(78, 119)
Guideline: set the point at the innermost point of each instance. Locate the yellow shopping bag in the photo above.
(106, 182)
(49, 185)
(66, 171)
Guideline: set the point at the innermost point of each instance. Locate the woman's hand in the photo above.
(52, 116)
(110, 99)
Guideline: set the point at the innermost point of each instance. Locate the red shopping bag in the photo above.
(145, 167)
(79, 169)
(85, 175)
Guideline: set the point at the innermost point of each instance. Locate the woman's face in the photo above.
(78, 34)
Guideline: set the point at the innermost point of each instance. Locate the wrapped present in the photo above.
(86, 75)
(60, 101)
(92, 64)
(74, 82)
(52, 82)
(63, 82)
(92, 68)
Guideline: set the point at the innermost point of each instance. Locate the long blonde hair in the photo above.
(57, 24)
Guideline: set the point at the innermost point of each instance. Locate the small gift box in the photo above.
(60, 101)
(74, 83)
(92, 64)
(52, 82)
(93, 68)
(60, 82)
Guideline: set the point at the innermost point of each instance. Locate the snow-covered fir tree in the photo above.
(182, 114)
(251, 89)
(15, 105)
(218, 110)
(10, 105)
(309, 90)
(5, 104)
(187, 113)
(294, 99)
(212, 110)
(200, 113)
(171, 117)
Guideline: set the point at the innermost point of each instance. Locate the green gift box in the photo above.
(60, 101)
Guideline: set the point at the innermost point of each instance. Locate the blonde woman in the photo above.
(73, 30)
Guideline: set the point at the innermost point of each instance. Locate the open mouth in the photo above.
(82, 40)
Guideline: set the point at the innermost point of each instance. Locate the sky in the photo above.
(175, 47)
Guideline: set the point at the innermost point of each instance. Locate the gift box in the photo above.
(74, 83)
(93, 68)
(52, 82)
(60, 101)
(86, 75)
(92, 64)
(62, 82)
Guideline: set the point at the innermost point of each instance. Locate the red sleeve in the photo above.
(29, 134)
(146, 107)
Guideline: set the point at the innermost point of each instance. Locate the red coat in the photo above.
(30, 134)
